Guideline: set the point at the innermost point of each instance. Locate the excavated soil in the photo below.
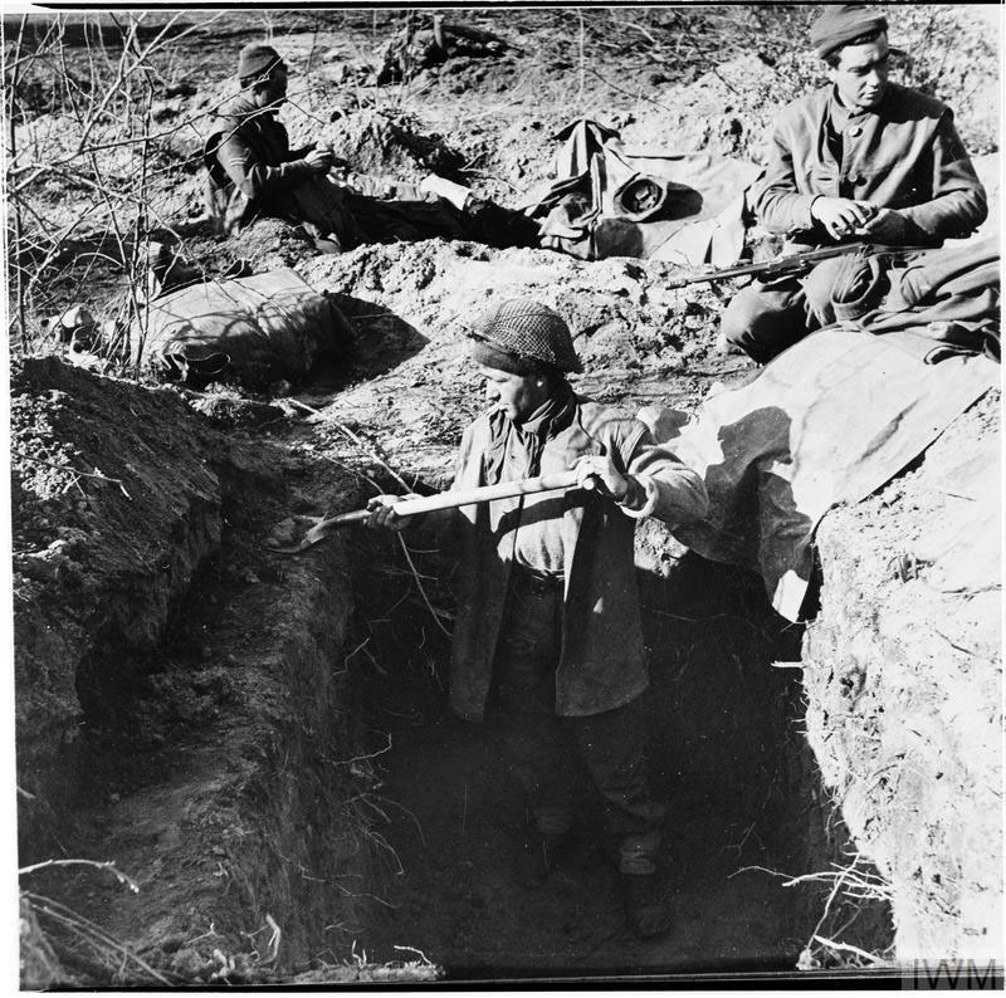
(261, 743)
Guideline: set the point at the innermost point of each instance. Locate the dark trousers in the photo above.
(766, 317)
(541, 751)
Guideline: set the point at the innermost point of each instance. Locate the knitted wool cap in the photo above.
(257, 60)
(841, 22)
(528, 330)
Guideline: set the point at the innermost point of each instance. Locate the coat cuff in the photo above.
(787, 212)
(803, 219)
(641, 499)
(296, 168)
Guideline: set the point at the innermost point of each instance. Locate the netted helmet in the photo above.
(528, 331)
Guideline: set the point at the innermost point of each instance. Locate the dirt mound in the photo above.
(730, 108)
(724, 112)
(411, 305)
(521, 159)
(269, 244)
(386, 142)
(621, 315)
(904, 682)
(414, 49)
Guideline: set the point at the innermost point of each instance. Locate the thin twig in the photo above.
(875, 961)
(369, 755)
(628, 93)
(412, 949)
(274, 940)
(75, 471)
(67, 916)
(711, 62)
(419, 585)
(17, 204)
(831, 897)
(372, 452)
(109, 865)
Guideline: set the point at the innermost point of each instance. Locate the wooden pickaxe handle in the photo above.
(427, 504)
(463, 497)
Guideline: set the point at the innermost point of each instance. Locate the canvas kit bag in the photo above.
(254, 330)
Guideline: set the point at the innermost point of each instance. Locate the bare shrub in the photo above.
(92, 130)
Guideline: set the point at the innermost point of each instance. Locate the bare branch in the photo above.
(109, 865)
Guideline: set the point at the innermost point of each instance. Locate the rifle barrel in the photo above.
(793, 263)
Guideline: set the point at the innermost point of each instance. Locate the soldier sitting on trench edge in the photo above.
(252, 173)
(862, 159)
(548, 645)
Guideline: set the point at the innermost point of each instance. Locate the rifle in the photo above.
(782, 265)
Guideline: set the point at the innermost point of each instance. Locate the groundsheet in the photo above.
(827, 422)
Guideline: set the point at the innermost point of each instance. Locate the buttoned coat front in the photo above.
(602, 663)
(905, 155)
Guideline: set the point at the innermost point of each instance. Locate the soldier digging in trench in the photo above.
(548, 648)
(860, 159)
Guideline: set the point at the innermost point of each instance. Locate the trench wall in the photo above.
(730, 741)
(903, 677)
(184, 704)
(114, 507)
(208, 686)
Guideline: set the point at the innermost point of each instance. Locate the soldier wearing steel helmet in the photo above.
(548, 646)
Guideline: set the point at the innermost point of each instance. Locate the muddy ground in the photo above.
(261, 742)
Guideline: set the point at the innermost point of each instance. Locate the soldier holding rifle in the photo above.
(861, 159)
(548, 647)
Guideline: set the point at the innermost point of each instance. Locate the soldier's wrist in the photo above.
(635, 494)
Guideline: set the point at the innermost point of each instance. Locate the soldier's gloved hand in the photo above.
(319, 160)
(841, 216)
(886, 226)
(595, 471)
(383, 515)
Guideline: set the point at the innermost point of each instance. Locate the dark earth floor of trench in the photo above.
(720, 734)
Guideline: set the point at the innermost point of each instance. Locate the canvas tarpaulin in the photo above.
(608, 200)
(829, 421)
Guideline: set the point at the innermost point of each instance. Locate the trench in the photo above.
(286, 759)
(726, 756)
